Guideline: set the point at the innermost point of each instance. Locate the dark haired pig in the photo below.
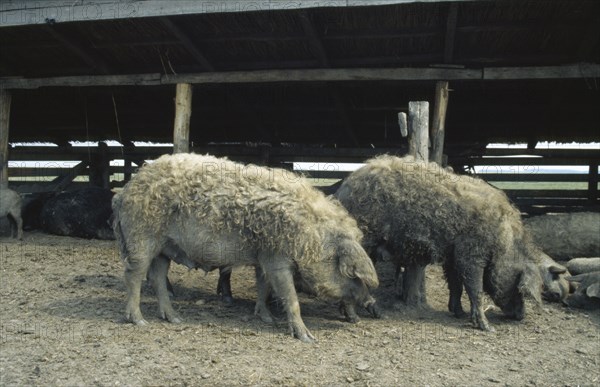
(421, 214)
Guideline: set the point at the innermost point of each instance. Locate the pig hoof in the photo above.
(374, 310)
(352, 319)
(175, 320)
(141, 322)
(266, 319)
(306, 338)
(227, 300)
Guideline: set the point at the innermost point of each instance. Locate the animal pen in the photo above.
(280, 82)
(90, 90)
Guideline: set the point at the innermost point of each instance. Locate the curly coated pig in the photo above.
(424, 214)
(220, 213)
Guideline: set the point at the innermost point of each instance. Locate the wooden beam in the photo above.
(90, 58)
(5, 100)
(418, 133)
(450, 33)
(183, 114)
(189, 45)
(581, 70)
(316, 45)
(318, 50)
(26, 12)
(438, 127)
(65, 179)
(589, 41)
(576, 71)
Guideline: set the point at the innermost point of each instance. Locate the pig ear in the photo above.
(593, 290)
(357, 264)
(557, 269)
(530, 283)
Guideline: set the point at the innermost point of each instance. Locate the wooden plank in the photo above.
(450, 38)
(5, 100)
(188, 43)
(25, 12)
(535, 177)
(183, 114)
(547, 193)
(438, 127)
(552, 201)
(530, 162)
(65, 180)
(580, 70)
(312, 75)
(325, 174)
(538, 210)
(84, 52)
(87, 80)
(564, 153)
(418, 133)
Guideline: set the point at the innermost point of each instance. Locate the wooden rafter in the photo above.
(320, 52)
(450, 33)
(87, 55)
(187, 42)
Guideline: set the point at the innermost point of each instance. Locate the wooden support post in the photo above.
(418, 133)
(183, 113)
(100, 167)
(5, 99)
(438, 127)
(593, 183)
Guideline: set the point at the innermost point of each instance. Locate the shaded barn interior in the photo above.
(518, 71)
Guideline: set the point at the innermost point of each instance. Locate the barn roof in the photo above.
(222, 39)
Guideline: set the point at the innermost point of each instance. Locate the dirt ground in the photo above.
(62, 302)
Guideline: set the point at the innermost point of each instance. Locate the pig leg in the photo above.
(473, 280)
(158, 276)
(136, 268)
(349, 311)
(399, 283)
(455, 286)
(16, 224)
(224, 285)
(413, 285)
(281, 278)
(262, 289)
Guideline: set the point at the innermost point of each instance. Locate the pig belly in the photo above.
(210, 249)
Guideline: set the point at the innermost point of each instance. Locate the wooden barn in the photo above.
(281, 81)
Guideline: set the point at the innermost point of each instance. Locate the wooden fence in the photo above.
(561, 191)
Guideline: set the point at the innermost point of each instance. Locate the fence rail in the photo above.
(512, 169)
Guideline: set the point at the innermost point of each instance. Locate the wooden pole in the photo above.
(183, 113)
(418, 134)
(100, 167)
(413, 283)
(593, 183)
(5, 99)
(438, 128)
